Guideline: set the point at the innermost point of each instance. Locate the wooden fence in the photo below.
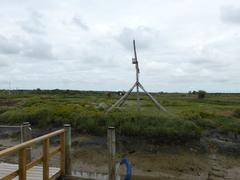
(63, 149)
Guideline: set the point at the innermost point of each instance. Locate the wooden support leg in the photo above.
(122, 99)
(22, 162)
(46, 159)
(158, 105)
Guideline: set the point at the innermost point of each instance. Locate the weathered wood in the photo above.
(46, 159)
(11, 175)
(29, 143)
(122, 99)
(22, 161)
(55, 151)
(9, 126)
(26, 135)
(63, 155)
(22, 150)
(137, 75)
(111, 153)
(56, 176)
(68, 141)
(34, 162)
(138, 85)
(35, 173)
(153, 99)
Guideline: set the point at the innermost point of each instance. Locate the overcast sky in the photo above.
(87, 44)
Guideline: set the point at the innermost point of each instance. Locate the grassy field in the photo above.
(85, 110)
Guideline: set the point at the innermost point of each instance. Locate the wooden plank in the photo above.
(68, 142)
(34, 163)
(55, 151)
(22, 158)
(12, 175)
(121, 100)
(158, 105)
(35, 173)
(55, 176)
(62, 156)
(29, 143)
(111, 153)
(26, 133)
(46, 159)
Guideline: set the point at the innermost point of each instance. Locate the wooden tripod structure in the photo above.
(138, 85)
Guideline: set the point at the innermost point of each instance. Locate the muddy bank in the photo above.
(150, 160)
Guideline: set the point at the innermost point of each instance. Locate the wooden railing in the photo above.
(21, 149)
(25, 135)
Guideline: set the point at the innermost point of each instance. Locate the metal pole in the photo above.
(111, 138)
(68, 142)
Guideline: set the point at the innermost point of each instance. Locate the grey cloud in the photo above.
(92, 60)
(144, 37)
(3, 63)
(230, 14)
(79, 22)
(34, 24)
(38, 49)
(208, 63)
(21, 47)
(9, 46)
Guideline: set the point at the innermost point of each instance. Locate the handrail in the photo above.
(13, 126)
(44, 159)
(29, 143)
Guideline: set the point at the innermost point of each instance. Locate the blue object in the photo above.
(128, 165)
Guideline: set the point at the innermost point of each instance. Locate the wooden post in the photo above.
(21, 133)
(68, 142)
(26, 136)
(137, 75)
(46, 159)
(22, 162)
(62, 156)
(111, 138)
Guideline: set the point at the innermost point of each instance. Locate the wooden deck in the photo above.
(34, 173)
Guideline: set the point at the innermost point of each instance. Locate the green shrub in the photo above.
(201, 94)
(236, 113)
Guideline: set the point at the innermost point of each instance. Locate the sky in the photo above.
(182, 45)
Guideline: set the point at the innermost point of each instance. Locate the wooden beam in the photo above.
(111, 153)
(12, 175)
(56, 176)
(22, 161)
(121, 100)
(68, 142)
(34, 162)
(55, 151)
(158, 105)
(26, 133)
(62, 156)
(29, 143)
(46, 159)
